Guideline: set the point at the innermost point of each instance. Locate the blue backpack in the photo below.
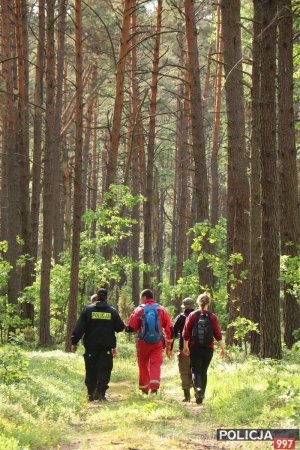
(150, 330)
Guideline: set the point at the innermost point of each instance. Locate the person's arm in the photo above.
(186, 350)
(169, 332)
(79, 331)
(119, 325)
(186, 333)
(222, 347)
(218, 334)
(134, 323)
(176, 329)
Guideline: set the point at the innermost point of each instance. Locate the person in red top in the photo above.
(149, 355)
(201, 355)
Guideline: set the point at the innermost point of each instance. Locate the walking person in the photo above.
(184, 363)
(154, 327)
(200, 329)
(98, 324)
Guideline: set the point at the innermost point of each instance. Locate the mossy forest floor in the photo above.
(49, 410)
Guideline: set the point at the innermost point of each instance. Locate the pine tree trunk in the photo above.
(201, 180)
(135, 239)
(207, 82)
(77, 211)
(58, 226)
(37, 131)
(13, 173)
(214, 167)
(23, 147)
(119, 94)
(255, 194)
(289, 206)
(183, 187)
(148, 207)
(45, 338)
(87, 138)
(238, 231)
(270, 339)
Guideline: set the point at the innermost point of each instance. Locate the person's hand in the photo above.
(222, 353)
(73, 348)
(186, 351)
(114, 352)
(169, 353)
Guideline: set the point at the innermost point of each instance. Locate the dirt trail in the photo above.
(197, 437)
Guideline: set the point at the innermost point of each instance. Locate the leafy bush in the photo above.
(13, 365)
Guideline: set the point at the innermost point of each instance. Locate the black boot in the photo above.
(199, 396)
(102, 397)
(197, 387)
(187, 395)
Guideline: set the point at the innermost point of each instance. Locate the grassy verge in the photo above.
(49, 407)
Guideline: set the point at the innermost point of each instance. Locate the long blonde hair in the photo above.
(203, 300)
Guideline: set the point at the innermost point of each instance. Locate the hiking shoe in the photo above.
(199, 396)
(91, 397)
(187, 395)
(153, 391)
(102, 397)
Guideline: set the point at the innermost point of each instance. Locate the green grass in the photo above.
(50, 406)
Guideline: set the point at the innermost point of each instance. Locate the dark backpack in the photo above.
(150, 330)
(203, 331)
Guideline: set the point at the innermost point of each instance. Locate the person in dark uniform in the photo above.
(184, 363)
(98, 324)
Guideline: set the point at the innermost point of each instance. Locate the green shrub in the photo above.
(13, 365)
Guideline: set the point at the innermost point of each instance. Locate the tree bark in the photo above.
(289, 206)
(238, 232)
(77, 211)
(270, 339)
(37, 131)
(58, 227)
(201, 180)
(44, 333)
(13, 172)
(183, 188)
(214, 167)
(23, 147)
(255, 191)
(148, 207)
(119, 95)
(87, 138)
(135, 239)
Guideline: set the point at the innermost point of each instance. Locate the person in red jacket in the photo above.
(201, 352)
(149, 355)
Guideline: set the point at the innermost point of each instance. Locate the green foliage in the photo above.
(242, 327)
(9, 443)
(37, 412)
(40, 412)
(105, 227)
(125, 304)
(10, 321)
(290, 273)
(223, 268)
(13, 365)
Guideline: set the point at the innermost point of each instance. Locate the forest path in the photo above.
(132, 421)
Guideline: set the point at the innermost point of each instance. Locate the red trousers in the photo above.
(150, 361)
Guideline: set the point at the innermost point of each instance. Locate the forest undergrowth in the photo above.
(43, 403)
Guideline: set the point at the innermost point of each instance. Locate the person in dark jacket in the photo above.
(98, 324)
(184, 363)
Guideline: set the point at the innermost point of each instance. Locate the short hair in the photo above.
(102, 294)
(147, 293)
